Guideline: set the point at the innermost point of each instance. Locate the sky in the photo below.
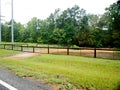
(24, 10)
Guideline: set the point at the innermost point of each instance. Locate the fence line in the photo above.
(82, 51)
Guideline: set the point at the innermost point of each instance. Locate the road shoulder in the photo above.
(22, 83)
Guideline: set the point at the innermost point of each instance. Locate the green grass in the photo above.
(33, 44)
(4, 52)
(69, 71)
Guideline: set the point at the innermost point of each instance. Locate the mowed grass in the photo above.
(4, 52)
(69, 72)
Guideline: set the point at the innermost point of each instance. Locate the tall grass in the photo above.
(69, 71)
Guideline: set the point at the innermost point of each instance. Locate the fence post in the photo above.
(12, 46)
(113, 53)
(68, 51)
(95, 52)
(27, 45)
(4, 46)
(48, 50)
(22, 48)
(33, 49)
(80, 51)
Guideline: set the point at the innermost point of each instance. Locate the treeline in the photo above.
(72, 26)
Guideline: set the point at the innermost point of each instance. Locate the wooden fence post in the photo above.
(33, 49)
(48, 50)
(12, 46)
(95, 52)
(67, 51)
(4, 46)
(22, 48)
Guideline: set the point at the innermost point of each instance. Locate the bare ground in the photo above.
(23, 55)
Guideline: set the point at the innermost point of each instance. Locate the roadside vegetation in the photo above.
(68, 72)
(73, 27)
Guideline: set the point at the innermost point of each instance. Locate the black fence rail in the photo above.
(108, 53)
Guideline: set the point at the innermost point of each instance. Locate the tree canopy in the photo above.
(72, 26)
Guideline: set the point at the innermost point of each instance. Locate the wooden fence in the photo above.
(108, 53)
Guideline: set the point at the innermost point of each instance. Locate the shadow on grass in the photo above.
(118, 86)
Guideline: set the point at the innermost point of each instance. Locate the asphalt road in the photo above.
(20, 83)
(3, 88)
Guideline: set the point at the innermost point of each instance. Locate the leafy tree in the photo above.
(71, 20)
(31, 33)
(6, 32)
(44, 35)
(98, 25)
(72, 26)
(18, 32)
(114, 26)
(82, 33)
(58, 36)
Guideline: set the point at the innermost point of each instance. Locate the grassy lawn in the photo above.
(69, 72)
(4, 52)
(31, 44)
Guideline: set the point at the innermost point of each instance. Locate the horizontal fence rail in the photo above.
(108, 53)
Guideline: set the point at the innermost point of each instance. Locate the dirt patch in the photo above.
(23, 55)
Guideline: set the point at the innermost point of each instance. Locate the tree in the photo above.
(44, 35)
(71, 20)
(5, 33)
(58, 36)
(82, 33)
(118, 3)
(31, 34)
(114, 26)
(18, 32)
(72, 26)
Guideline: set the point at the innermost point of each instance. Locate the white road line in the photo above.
(7, 85)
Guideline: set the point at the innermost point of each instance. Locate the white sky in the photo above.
(24, 10)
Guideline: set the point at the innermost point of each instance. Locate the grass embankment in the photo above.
(69, 71)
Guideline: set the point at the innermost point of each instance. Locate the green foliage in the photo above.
(72, 26)
(69, 86)
(114, 26)
(58, 36)
(74, 46)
